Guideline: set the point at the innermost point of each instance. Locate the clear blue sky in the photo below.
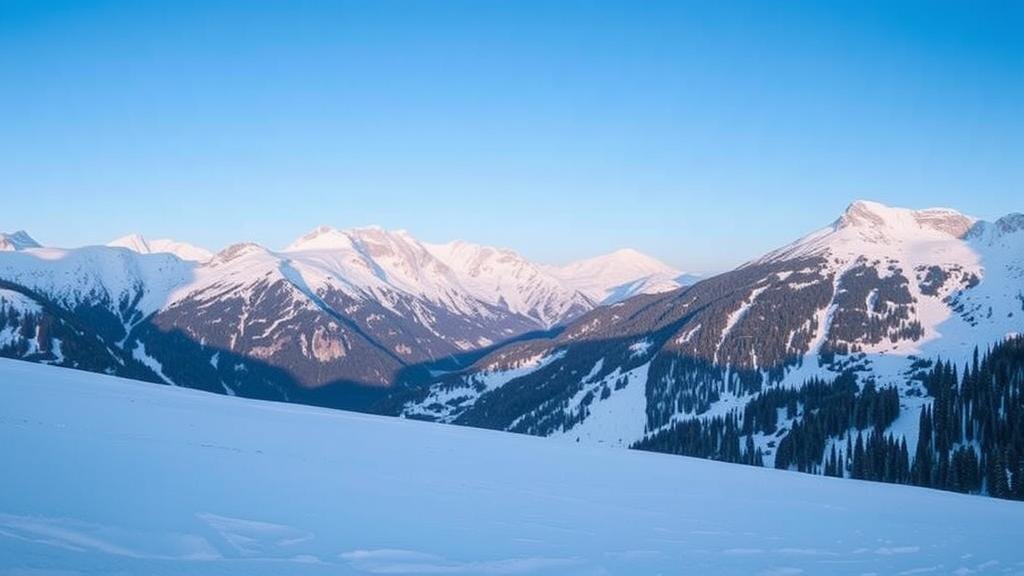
(704, 133)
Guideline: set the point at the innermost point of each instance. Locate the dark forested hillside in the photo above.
(970, 437)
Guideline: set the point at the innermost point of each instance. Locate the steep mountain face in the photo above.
(365, 307)
(504, 278)
(183, 250)
(880, 295)
(619, 275)
(316, 318)
(498, 277)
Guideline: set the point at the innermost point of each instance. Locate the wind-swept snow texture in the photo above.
(109, 476)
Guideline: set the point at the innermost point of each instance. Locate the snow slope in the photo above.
(110, 476)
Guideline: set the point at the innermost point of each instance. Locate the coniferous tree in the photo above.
(970, 435)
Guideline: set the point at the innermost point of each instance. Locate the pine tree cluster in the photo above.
(970, 437)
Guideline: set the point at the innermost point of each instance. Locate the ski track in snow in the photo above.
(105, 475)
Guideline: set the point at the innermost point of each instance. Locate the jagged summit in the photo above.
(133, 242)
(868, 229)
(19, 240)
(446, 273)
(497, 276)
(869, 215)
(502, 276)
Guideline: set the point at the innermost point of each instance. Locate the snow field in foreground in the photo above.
(109, 476)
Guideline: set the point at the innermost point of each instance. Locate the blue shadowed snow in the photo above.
(108, 476)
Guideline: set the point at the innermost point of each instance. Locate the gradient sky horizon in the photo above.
(703, 133)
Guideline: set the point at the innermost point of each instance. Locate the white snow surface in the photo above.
(364, 263)
(110, 476)
(459, 273)
(11, 300)
(615, 276)
(183, 250)
(503, 277)
(97, 274)
(618, 420)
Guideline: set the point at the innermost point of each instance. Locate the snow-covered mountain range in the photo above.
(367, 306)
(881, 293)
(849, 331)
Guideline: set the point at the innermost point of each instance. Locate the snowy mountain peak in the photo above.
(503, 277)
(236, 251)
(872, 229)
(473, 258)
(382, 237)
(321, 238)
(133, 242)
(1011, 223)
(618, 275)
(630, 254)
(329, 238)
(497, 276)
(874, 217)
(1008, 230)
(19, 240)
(138, 243)
(461, 270)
